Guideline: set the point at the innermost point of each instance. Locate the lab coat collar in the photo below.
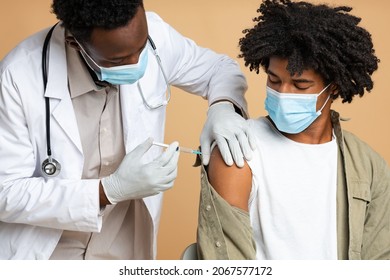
(57, 73)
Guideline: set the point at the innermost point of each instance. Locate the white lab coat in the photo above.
(35, 209)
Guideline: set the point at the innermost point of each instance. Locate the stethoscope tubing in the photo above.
(45, 52)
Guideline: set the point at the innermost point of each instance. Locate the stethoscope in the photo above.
(50, 166)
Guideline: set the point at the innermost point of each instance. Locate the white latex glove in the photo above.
(134, 180)
(230, 131)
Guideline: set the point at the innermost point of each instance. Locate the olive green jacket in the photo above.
(363, 209)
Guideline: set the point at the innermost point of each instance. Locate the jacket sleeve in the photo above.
(376, 234)
(198, 70)
(368, 178)
(224, 231)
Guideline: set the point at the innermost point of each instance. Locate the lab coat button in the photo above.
(208, 207)
(218, 244)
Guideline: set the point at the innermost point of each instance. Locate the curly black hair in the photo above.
(319, 37)
(80, 17)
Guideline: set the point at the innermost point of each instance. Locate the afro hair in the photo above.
(319, 37)
(80, 17)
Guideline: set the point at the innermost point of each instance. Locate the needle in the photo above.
(181, 149)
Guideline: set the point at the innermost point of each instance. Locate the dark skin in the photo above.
(115, 47)
(119, 46)
(309, 82)
(234, 184)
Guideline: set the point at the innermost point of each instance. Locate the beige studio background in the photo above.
(217, 24)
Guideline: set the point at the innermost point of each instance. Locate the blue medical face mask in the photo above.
(293, 113)
(119, 75)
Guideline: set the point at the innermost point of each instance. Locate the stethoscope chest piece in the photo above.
(51, 167)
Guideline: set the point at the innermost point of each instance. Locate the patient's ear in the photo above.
(334, 90)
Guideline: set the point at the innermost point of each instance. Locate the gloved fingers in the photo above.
(235, 150)
(166, 186)
(165, 179)
(170, 167)
(168, 178)
(224, 149)
(141, 149)
(164, 175)
(168, 154)
(205, 146)
(245, 146)
(251, 139)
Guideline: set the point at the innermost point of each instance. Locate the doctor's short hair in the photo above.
(80, 17)
(319, 37)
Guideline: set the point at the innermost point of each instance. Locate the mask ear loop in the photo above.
(88, 59)
(320, 110)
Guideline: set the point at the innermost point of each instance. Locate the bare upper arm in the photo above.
(232, 183)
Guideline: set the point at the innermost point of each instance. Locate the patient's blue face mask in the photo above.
(291, 112)
(119, 75)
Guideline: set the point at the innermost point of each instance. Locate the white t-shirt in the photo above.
(293, 200)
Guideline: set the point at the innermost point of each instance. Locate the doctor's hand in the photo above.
(231, 133)
(134, 180)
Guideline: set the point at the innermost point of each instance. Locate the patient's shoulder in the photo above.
(231, 182)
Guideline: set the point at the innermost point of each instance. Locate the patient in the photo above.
(312, 189)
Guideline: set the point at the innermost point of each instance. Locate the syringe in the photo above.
(181, 149)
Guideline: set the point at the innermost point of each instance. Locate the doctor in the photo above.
(108, 67)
